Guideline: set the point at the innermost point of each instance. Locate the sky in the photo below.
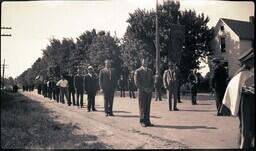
(35, 22)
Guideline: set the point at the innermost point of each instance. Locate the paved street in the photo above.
(191, 127)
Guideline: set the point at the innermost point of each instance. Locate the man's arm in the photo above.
(100, 79)
(137, 79)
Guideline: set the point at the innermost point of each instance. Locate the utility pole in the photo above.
(157, 43)
(3, 66)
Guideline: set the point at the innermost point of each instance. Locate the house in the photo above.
(231, 39)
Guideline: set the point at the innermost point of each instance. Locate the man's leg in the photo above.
(93, 101)
(147, 108)
(111, 101)
(89, 99)
(105, 102)
(141, 106)
(169, 97)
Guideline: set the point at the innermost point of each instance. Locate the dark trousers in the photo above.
(144, 106)
(64, 92)
(193, 94)
(49, 93)
(122, 92)
(178, 93)
(172, 90)
(247, 120)
(72, 94)
(56, 95)
(131, 93)
(108, 101)
(81, 94)
(91, 100)
(158, 94)
(219, 94)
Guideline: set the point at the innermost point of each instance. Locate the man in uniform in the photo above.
(108, 82)
(170, 82)
(144, 80)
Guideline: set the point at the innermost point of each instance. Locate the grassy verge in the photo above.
(26, 124)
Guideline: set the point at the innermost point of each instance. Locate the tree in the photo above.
(140, 36)
(104, 47)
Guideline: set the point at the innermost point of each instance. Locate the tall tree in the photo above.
(141, 33)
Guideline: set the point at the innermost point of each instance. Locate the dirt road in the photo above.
(192, 127)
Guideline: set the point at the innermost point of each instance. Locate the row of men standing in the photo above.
(69, 86)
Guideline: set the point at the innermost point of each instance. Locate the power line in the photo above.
(6, 35)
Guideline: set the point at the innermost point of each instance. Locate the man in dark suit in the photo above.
(170, 81)
(131, 84)
(144, 80)
(79, 88)
(71, 88)
(158, 82)
(91, 88)
(218, 82)
(121, 85)
(193, 79)
(108, 82)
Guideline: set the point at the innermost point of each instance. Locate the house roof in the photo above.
(243, 29)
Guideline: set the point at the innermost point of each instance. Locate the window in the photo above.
(222, 28)
(222, 44)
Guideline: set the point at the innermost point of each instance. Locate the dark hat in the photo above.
(246, 55)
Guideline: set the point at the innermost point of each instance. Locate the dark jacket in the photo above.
(144, 80)
(70, 80)
(91, 83)
(79, 83)
(107, 81)
(219, 78)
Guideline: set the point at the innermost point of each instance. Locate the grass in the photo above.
(25, 124)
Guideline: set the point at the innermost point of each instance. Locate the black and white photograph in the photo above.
(127, 74)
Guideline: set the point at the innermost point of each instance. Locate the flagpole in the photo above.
(157, 43)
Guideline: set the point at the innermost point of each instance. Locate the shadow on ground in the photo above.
(27, 124)
(185, 127)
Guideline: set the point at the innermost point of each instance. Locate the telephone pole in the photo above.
(3, 66)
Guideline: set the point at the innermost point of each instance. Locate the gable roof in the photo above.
(245, 30)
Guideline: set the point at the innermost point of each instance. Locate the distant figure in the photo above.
(55, 90)
(131, 84)
(91, 82)
(144, 80)
(158, 82)
(79, 88)
(108, 82)
(49, 88)
(218, 83)
(15, 88)
(170, 82)
(39, 88)
(193, 80)
(71, 88)
(45, 88)
(121, 85)
(63, 85)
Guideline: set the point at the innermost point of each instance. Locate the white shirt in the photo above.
(62, 83)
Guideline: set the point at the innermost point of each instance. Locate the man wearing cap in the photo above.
(239, 99)
(79, 88)
(91, 88)
(218, 82)
(170, 82)
(108, 82)
(144, 80)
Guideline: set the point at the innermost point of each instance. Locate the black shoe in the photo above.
(106, 115)
(69, 104)
(88, 110)
(176, 109)
(111, 114)
(143, 124)
(179, 102)
(170, 109)
(94, 110)
(150, 124)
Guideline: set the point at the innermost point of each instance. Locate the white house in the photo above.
(231, 39)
